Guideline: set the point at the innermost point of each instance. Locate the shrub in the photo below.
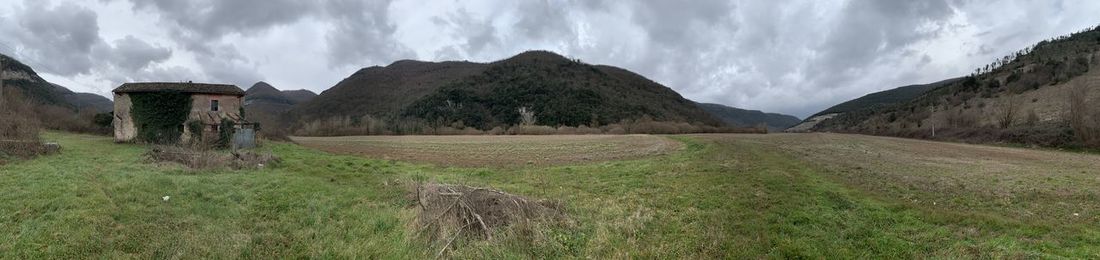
(104, 120)
(615, 129)
(585, 130)
(532, 130)
(225, 133)
(566, 130)
(1083, 117)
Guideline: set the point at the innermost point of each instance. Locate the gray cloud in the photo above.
(871, 31)
(789, 56)
(198, 23)
(545, 20)
(362, 33)
(58, 39)
(133, 54)
(228, 65)
(477, 33)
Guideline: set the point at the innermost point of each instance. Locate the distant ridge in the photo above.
(23, 78)
(267, 105)
(750, 118)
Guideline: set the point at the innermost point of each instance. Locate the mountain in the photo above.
(885, 98)
(267, 105)
(299, 96)
(384, 91)
(748, 118)
(870, 102)
(26, 81)
(96, 103)
(1040, 95)
(264, 95)
(558, 90)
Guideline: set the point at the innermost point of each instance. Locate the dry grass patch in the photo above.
(210, 159)
(449, 212)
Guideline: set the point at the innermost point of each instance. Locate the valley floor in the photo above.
(719, 196)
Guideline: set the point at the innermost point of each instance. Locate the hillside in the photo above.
(885, 98)
(1027, 97)
(559, 91)
(82, 101)
(383, 91)
(749, 118)
(869, 103)
(267, 105)
(22, 78)
(299, 96)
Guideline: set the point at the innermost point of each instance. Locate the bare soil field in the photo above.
(496, 151)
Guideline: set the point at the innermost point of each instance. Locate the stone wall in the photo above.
(123, 123)
(126, 131)
(227, 104)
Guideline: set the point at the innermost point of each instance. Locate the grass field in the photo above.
(718, 196)
(497, 151)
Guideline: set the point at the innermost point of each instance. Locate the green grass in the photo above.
(715, 199)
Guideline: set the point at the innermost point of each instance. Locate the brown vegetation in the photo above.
(18, 129)
(448, 212)
(1018, 97)
(24, 118)
(1008, 110)
(1083, 117)
(210, 159)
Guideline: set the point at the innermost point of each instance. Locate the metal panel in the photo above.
(244, 138)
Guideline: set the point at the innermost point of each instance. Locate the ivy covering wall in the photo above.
(159, 116)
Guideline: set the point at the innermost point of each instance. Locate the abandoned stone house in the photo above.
(211, 107)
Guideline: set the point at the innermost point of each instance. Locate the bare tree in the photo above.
(1008, 110)
(526, 116)
(1080, 115)
(1032, 118)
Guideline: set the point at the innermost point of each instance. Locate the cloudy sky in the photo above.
(794, 57)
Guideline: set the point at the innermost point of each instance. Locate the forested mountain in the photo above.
(749, 118)
(1041, 95)
(557, 90)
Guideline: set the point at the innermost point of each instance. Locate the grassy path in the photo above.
(721, 197)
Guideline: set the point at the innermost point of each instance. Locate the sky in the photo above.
(787, 56)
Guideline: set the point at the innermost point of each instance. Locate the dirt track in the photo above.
(497, 151)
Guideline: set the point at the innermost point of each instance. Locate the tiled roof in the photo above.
(202, 88)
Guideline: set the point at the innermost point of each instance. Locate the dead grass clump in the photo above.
(447, 212)
(210, 159)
